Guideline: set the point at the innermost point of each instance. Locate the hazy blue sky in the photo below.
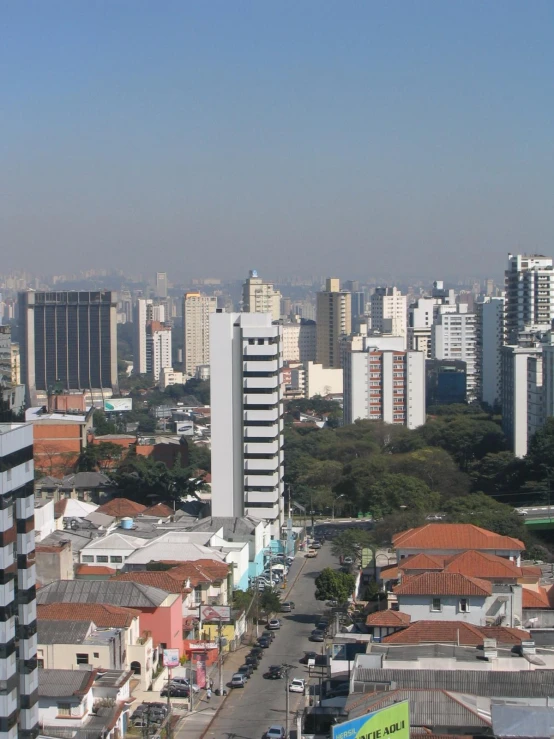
(301, 136)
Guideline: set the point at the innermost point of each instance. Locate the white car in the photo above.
(275, 732)
(298, 685)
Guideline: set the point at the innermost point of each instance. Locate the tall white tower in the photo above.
(247, 416)
(196, 330)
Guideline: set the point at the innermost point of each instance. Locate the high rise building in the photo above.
(68, 339)
(247, 416)
(388, 311)
(299, 340)
(490, 338)
(334, 320)
(383, 384)
(529, 282)
(161, 285)
(454, 337)
(145, 310)
(420, 325)
(158, 348)
(18, 619)
(260, 297)
(196, 330)
(517, 370)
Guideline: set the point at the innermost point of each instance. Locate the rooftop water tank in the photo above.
(127, 523)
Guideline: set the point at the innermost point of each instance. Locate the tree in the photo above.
(100, 456)
(334, 585)
(392, 492)
(268, 602)
(497, 473)
(242, 599)
(102, 425)
(482, 510)
(435, 467)
(394, 522)
(348, 543)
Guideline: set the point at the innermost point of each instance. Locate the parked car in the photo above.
(322, 625)
(268, 635)
(252, 661)
(307, 656)
(297, 685)
(348, 561)
(316, 544)
(257, 652)
(186, 682)
(274, 623)
(317, 635)
(238, 680)
(275, 732)
(311, 553)
(264, 643)
(246, 670)
(286, 607)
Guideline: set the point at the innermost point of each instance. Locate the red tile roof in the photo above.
(388, 618)
(454, 632)
(103, 615)
(482, 564)
(155, 579)
(175, 579)
(160, 510)
(95, 570)
(121, 507)
(533, 571)
(422, 561)
(443, 583)
(532, 599)
(454, 536)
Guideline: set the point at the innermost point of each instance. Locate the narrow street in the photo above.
(247, 713)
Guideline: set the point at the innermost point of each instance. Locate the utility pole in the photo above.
(220, 660)
(286, 671)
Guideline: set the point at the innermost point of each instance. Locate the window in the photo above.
(96, 655)
(101, 558)
(87, 558)
(116, 560)
(464, 605)
(64, 709)
(81, 659)
(197, 595)
(436, 604)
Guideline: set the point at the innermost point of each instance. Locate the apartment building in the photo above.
(145, 310)
(388, 312)
(299, 340)
(529, 282)
(453, 336)
(18, 665)
(334, 321)
(490, 338)
(196, 330)
(383, 384)
(158, 348)
(247, 416)
(260, 297)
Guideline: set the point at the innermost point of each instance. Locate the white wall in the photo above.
(322, 381)
(419, 608)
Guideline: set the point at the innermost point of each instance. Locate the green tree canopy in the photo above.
(334, 585)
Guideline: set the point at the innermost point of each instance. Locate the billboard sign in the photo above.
(118, 405)
(388, 722)
(200, 670)
(215, 613)
(171, 658)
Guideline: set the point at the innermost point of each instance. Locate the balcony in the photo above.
(272, 447)
(259, 432)
(261, 399)
(250, 383)
(252, 465)
(262, 481)
(265, 350)
(271, 365)
(269, 415)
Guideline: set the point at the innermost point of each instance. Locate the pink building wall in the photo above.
(165, 624)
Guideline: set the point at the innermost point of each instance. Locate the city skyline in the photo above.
(403, 139)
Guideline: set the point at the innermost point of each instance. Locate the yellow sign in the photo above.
(393, 721)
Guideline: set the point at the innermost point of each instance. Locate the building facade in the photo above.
(260, 297)
(68, 339)
(196, 330)
(529, 282)
(420, 324)
(299, 340)
(247, 416)
(388, 311)
(454, 337)
(145, 310)
(384, 385)
(334, 320)
(490, 338)
(515, 380)
(158, 348)
(18, 665)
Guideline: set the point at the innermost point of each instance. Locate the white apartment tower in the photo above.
(388, 311)
(145, 310)
(383, 384)
(454, 337)
(260, 297)
(518, 372)
(247, 416)
(334, 321)
(196, 330)
(420, 324)
(158, 348)
(490, 339)
(529, 282)
(299, 340)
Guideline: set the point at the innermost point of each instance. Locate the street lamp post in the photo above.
(287, 670)
(334, 502)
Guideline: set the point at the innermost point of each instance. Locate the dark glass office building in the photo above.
(69, 340)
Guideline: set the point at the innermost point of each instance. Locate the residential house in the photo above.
(91, 487)
(161, 613)
(453, 538)
(112, 550)
(450, 596)
(54, 562)
(141, 656)
(88, 702)
(122, 508)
